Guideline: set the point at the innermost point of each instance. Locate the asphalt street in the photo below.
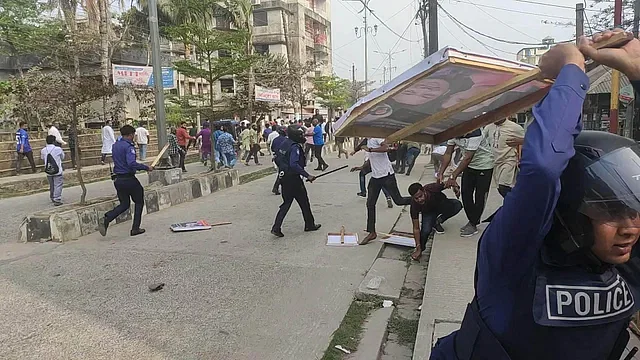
(233, 292)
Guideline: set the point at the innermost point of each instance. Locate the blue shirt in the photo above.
(216, 135)
(275, 144)
(225, 143)
(317, 135)
(297, 161)
(124, 158)
(22, 139)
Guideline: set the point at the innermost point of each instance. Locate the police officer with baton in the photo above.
(555, 276)
(127, 185)
(290, 160)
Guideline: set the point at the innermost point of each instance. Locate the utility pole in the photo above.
(157, 74)
(364, 31)
(636, 17)
(433, 26)
(384, 75)
(389, 55)
(353, 73)
(579, 20)
(615, 76)
(422, 13)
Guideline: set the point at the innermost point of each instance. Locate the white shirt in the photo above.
(272, 135)
(439, 150)
(380, 163)
(108, 139)
(55, 132)
(57, 154)
(142, 136)
(476, 141)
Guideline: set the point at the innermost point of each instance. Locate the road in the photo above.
(233, 292)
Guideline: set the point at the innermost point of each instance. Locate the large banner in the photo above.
(266, 94)
(142, 76)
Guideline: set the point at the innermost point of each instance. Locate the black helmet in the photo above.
(282, 130)
(602, 183)
(296, 134)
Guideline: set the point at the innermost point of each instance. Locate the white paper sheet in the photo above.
(349, 240)
(399, 240)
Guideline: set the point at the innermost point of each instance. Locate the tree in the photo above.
(299, 83)
(604, 19)
(218, 53)
(333, 92)
(357, 91)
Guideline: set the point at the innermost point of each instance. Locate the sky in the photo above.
(525, 21)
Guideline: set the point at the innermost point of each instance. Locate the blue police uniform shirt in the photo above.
(536, 310)
(124, 158)
(275, 144)
(297, 161)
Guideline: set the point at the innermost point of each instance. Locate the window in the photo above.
(224, 53)
(262, 49)
(223, 23)
(260, 18)
(226, 86)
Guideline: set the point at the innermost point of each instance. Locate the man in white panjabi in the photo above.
(108, 139)
(506, 156)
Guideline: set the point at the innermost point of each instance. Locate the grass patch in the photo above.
(348, 333)
(406, 330)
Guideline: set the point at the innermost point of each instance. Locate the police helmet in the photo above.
(282, 131)
(600, 183)
(296, 134)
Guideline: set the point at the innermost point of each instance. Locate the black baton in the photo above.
(331, 172)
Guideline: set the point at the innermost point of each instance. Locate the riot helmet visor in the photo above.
(612, 188)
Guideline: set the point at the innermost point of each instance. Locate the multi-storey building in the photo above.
(297, 29)
(532, 55)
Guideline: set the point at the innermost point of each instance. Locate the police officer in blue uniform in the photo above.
(275, 144)
(291, 161)
(127, 185)
(557, 273)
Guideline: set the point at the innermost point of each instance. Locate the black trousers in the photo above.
(183, 155)
(128, 189)
(293, 189)
(317, 149)
(309, 150)
(475, 189)
(252, 152)
(504, 190)
(29, 156)
(446, 209)
(375, 186)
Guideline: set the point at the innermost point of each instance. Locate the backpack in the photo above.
(51, 167)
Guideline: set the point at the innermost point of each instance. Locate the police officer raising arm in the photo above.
(548, 284)
(127, 185)
(290, 160)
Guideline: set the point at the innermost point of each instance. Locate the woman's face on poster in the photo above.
(464, 95)
(422, 92)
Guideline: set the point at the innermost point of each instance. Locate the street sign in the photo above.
(142, 76)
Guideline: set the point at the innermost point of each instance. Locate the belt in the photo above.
(125, 176)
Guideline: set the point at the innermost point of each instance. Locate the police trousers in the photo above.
(128, 188)
(293, 189)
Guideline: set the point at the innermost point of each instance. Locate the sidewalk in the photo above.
(449, 284)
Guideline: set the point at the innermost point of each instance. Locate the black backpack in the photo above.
(51, 167)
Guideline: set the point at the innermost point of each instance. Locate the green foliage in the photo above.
(24, 30)
(604, 19)
(333, 91)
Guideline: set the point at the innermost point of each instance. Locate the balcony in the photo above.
(320, 43)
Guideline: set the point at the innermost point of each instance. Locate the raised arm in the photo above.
(511, 243)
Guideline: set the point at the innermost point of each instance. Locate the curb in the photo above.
(70, 222)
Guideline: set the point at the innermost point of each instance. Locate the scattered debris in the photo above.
(342, 238)
(374, 283)
(387, 303)
(223, 242)
(223, 332)
(156, 287)
(339, 347)
(56, 274)
(420, 307)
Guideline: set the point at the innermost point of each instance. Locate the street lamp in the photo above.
(364, 31)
